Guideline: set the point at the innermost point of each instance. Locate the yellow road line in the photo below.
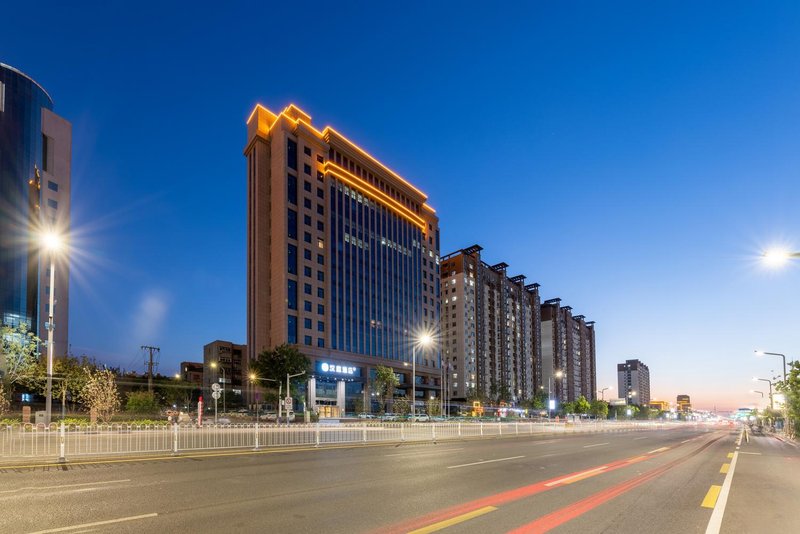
(454, 521)
(724, 468)
(730, 455)
(636, 459)
(711, 497)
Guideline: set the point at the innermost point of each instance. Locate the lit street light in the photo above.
(215, 365)
(289, 392)
(254, 378)
(762, 353)
(550, 403)
(52, 243)
(423, 341)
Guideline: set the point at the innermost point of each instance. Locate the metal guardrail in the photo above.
(60, 442)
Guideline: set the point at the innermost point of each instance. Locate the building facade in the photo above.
(633, 379)
(569, 358)
(224, 363)
(192, 373)
(491, 330)
(342, 260)
(35, 161)
(684, 403)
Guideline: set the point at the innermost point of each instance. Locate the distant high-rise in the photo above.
(684, 403)
(568, 353)
(633, 379)
(342, 261)
(35, 154)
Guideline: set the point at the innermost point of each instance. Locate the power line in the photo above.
(150, 364)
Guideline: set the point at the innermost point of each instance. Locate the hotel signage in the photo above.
(331, 368)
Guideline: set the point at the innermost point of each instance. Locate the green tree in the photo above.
(20, 354)
(69, 377)
(5, 404)
(568, 407)
(283, 360)
(402, 406)
(433, 407)
(791, 392)
(582, 405)
(385, 382)
(599, 409)
(539, 400)
(100, 394)
(141, 402)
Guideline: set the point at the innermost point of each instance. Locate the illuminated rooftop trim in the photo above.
(324, 135)
(377, 194)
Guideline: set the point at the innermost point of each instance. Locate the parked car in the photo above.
(269, 416)
(422, 418)
(366, 416)
(389, 417)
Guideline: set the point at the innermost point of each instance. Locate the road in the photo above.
(660, 481)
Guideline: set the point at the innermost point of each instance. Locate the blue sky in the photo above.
(631, 157)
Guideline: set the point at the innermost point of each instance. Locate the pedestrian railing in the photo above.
(62, 442)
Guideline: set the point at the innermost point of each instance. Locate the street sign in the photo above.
(215, 387)
(215, 395)
(288, 403)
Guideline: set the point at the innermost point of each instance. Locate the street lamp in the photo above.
(215, 365)
(762, 353)
(289, 392)
(52, 243)
(254, 378)
(550, 404)
(603, 392)
(423, 341)
(770, 389)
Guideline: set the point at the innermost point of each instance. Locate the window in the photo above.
(52, 203)
(320, 342)
(291, 298)
(307, 340)
(320, 176)
(320, 158)
(307, 271)
(307, 203)
(320, 243)
(320, 209)
(307, 305)
(292, 259)
(292, 224)
(52, 186)
(291, 188)
(307, 220)
(307, 289)
(320, 259)
(307, 237)
(320, 293)
(320, 193)
(320, 276)
(291, 161)
(320, 326)
(291, 333)
(307, 150)
(306, 185)
(46, 153)
(307, 254)
(307, 323)
(320, 309)
(307, 168)
(320, 226)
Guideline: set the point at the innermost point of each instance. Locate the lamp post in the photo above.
(289, 392)
(771, 407)
(557, 374)
(603, 392)
(51, 242)
(783, 356)
(215, 365)
(254, 378)
(423, 341)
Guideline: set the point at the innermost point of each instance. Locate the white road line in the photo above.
(687, 440)
(485, 462)
(421, 452)
(643, 437)
(96, 523)
(39, 488)
(572, 477)
(595, 445)
(658, 450)
(715, 523)
(745, 452)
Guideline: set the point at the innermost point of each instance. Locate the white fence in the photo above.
(61, 442)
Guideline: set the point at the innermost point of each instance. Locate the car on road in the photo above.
(269, 416)
(366, 416)
(389, 417)
(422, 418)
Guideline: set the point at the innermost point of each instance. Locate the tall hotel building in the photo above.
(633, 379)
(491, 328)
(342, 260)
(569, 368)
(35, 152)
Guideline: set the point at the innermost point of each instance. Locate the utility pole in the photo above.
(150, 365)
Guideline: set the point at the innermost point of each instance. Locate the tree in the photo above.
(582, 405)
(20, 354)
(5, 404)
(433, 407)
(100, 393)
(283, 360)
(68, 377)
(141, 402)
(791, 392)
(402, 406)
(599, 409)
(359, 405)
(539, 401)
(568, 407)
(385, 382)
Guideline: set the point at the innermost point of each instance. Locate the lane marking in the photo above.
(745, 452)
(485, 462)
(454, 521)
(423, 452)
(724, 468)
(730, 455)
(37, 488)
(686, 440)
(578, 476)
(637, 459)
(711, 497)
(658, 450)
(595, 445)
(96, 523)
(715, 523)
(643, 437)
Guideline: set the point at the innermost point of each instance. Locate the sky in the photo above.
(634, 158)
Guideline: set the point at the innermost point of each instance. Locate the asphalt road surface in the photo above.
(685, 479)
